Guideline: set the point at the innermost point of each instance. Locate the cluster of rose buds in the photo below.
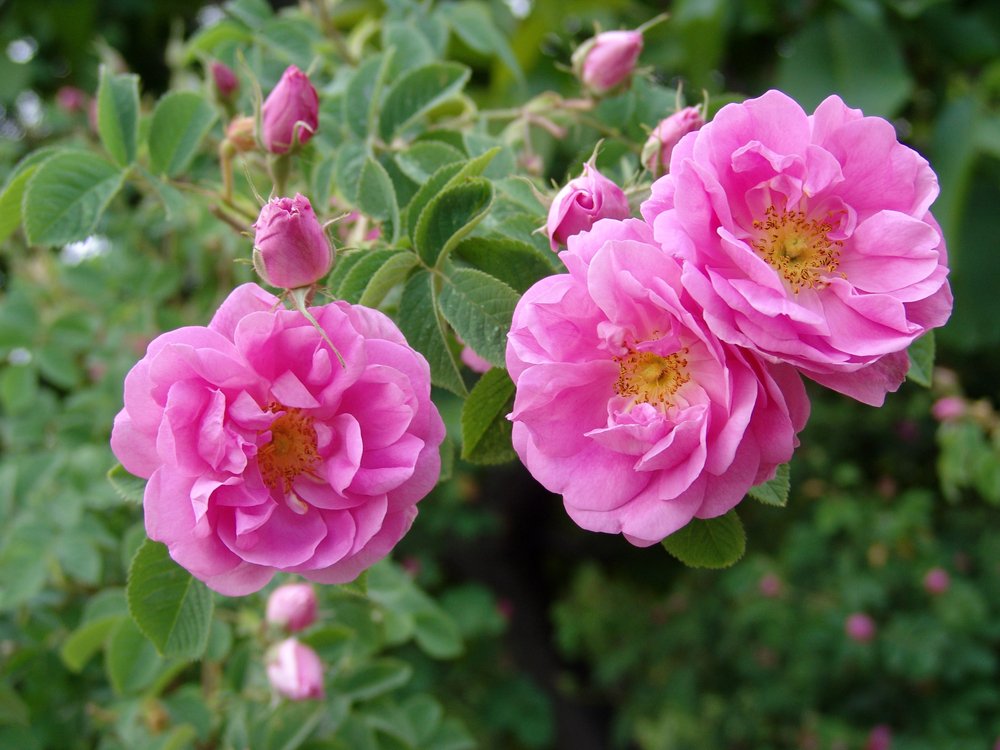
(293, 668)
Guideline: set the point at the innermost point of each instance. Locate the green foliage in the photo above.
(709, 542)
(118, 115)
(180, 121)
(486, 430)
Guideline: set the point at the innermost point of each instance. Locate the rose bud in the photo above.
(292, 607)
(581, 202)
(70, 99)
(295, 671)
(880, 738)
(240, 133)
(226, 82)
(291, 248)
(948, 409)
(607, 60)
(290, 114)
(661, 142)
(937, 581)
(860, 627)
(770, 586)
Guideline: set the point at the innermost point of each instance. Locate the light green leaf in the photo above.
(486, 431)
(472, 22)
(412, 46)
(172, 608)
(361, 275)
(66, 196)
(450, 735)
(424, 158)
(206, 41)
(129, 487)
(291, 40)
(130, 660)
(347, 169)
(180, 121)
(437, 634)
(449, 217)
(118, 114)
(774, 491)
(421, 323)
(13, 709)
(417, 92)
(251, 12)
(86, 641)
(709, 543)
(446, 177)
(921, 354)
(13, 190)
(377, 196)
(479, 307)
(364, 95)
(373, 678)
(392, 272)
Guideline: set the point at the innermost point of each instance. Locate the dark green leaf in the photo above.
(373, 678)
(449, 217)
(437, 634)
(479, 307)
(424, 330)
(921, 353)
(444, 178)
(118, 115)
(417, 92)
(357, 280)
(516, 263)
(394, 271)
(708, 543)
(774, 491)
(172, 608)
(486, 431)
(180, 121)
(424, 158)
(472, 22)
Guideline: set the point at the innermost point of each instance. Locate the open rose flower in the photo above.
(582, 201)
(627, 405)
(264, 453)
(808, 239)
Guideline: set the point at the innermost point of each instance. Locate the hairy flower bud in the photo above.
(295, 671)
(607, 60)
(225, 80)
(292, 607)
(291, 248)
(581, 202)
(290, 114)
(656, 152)
(240, 133)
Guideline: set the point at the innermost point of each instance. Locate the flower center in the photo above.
(291, 450)
(648, 378)
(797, 247)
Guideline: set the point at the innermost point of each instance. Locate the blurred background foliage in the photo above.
(569, 639)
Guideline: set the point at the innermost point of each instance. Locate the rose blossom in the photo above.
(627, 405)
(292, 607)
(607, 60)
(264, 453)
(860, 627)
(808, 239)
(949, 408)
(582, 201)
(665, 136)
(295, 670)
(290, 113)
(880, 738)
(291, 248)
(937, 581)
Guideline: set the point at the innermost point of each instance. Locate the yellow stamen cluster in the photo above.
(648, 378)
(291, 451)
(797, 247)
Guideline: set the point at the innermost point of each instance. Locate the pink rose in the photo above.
(937, 581)
(581, 202)
(860, 627)
(225, 80)
(880, 738)
(770, 586)
(292, 607)
(808, 239)
(295, 671)
(665, 136)
(627, 405)
(290, 113)
(607, 60)
(265, 454)
(291, 248)
(949, 409)
(70, 99)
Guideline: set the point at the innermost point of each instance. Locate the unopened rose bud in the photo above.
(948, 409)
(292, 607)
(291, 248)
(295, 671)
(290, 114)
(770, 586)
(226, 82)
(581, 202)
(661, 142)
(937, 581)
(880, 738)
(860, 627)
(70, 99)
(240, 132)
(607, 60)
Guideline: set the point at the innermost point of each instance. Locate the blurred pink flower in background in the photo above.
(860, 627)
(290, 113)
(880, 738)
(292, 607)
(582, 201)
(937, 581)
(295, 671)
(949, 408)
(224, 79)
(291, 248)
(264, 453)
(808, 239)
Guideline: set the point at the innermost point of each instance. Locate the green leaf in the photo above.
(67, 195)
(412, 46)
(347, 169)
(128, 486)
(207, 41)
(774, 491)
(437, 634)
(251, 12)
(373, 678)
(424, 714)
(708, 543)
(486, 431)
(172, 608)
(516, 263)
(423, 159)
(130, 660)
(417, 92)
(449, 217)
(423, 328)
(13, 709)
(921, 353)
(118, 115)
(377, 196)
(473, 23)
(13, 190)
(394, 271)
(361, 276)
(446, 177)
(180, 121)
(291, 40)
(86, 641)
(364, 94)
(479, 307)
(450, 735)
